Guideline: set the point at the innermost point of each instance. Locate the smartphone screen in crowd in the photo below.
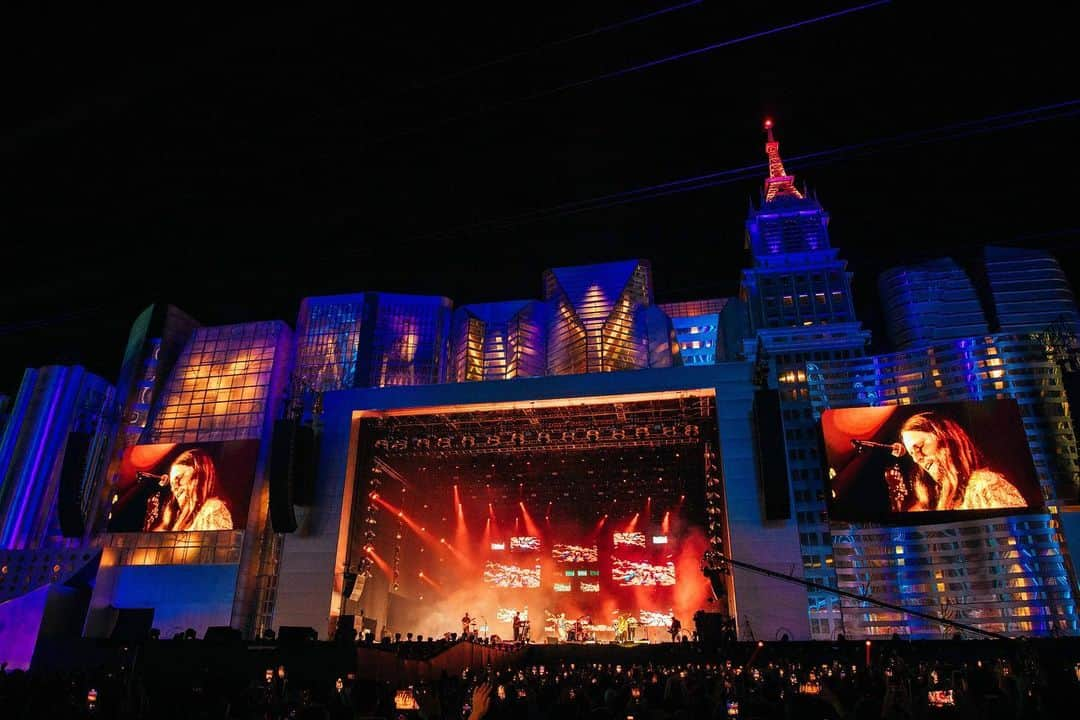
(404, 699)
(940, 698)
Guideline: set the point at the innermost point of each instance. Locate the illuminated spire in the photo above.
(779, 183)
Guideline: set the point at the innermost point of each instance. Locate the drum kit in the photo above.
(581, 630)
(479, 628)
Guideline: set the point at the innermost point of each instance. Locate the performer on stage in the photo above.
(631, 628)
(676, 626)
(561, 627)
(517, 626)
(621, 629)
(466, 624)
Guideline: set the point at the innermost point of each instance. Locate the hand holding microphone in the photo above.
(895, 449)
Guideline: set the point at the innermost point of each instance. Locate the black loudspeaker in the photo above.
(772, 454)
(132, 624)
(296, 634)
(346, 629)
(710, 626)
(69, 500)
(222, 635)
(282, 454)
(1070, 493)
(304, 459)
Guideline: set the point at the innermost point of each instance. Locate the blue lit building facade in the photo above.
(997, 290)
(1009, 575)
(800, 310)
(699, 331)
(53, 403)
(52, 451)
(499, 341)
(595, 348)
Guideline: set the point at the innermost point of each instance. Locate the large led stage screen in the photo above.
(185, 487)
(927, 463)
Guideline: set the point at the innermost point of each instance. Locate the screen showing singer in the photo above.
(944, 458)
(188, 487)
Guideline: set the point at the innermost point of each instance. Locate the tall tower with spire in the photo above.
(798, 296)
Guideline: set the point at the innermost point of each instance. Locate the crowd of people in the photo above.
(673, 681)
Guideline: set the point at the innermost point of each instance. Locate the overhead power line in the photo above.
(629, 70)
(988, 124)
(553, 44)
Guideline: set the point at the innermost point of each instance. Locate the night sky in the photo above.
(232, 162)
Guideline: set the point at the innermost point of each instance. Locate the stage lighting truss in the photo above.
(646, 423)
(370, 521)
(714, 513)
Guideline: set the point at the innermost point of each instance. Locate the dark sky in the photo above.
(233, 161)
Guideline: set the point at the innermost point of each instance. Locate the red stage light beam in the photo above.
(665, 526)
(530, 526)
(430, 581)
(424, 535)
(461, 530)
(596, 530)
(632, 525)
(455, 552)
(382, 564)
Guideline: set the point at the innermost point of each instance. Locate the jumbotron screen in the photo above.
(929, 462)
(172, 487)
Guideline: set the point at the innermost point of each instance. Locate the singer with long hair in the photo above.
(193, 502)
(950, 473)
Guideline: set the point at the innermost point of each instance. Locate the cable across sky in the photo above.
(951, 131)
(632, 69)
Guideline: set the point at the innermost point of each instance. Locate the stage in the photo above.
(591, 513)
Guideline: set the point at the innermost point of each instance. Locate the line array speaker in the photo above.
(282, 473)
(68, 501)
(772, 455)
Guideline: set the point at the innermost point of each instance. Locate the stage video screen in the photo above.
(524, 544)
(629, 539)
(184, 487)
(929, 462)
(511, 576)
(628, 573)
(561, 553)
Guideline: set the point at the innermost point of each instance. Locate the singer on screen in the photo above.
(950, 473)
(193, 502)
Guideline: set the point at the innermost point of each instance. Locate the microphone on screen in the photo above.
(895, 449)
(151, 478)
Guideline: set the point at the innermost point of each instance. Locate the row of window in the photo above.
(813, 562)
(806, 496)
(811, 517)
(699, 359)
